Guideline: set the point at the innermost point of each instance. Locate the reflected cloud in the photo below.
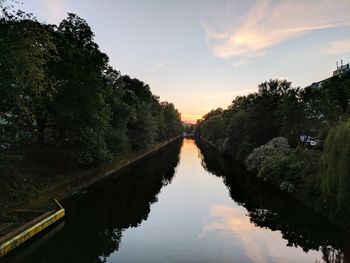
(261, 245)
(269, 23)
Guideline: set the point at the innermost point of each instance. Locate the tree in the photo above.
(121, 112)
(57, 86)
(334, 173)
(292, 115)
(79, 108)
(171, 119)
(142, 130)
(26, 90)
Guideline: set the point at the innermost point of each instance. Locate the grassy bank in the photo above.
(45, 174)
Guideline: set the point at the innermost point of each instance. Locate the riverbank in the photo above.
(186, 202)
(305, 189)
(61, 186)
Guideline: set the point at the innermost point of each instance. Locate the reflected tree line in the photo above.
(125, 200)
(121, 202)
(275, 210)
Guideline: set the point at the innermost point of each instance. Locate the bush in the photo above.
(276, 147)
(294, 168)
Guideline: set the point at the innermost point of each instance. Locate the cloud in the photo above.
(269, 23)
(338, 47)
(55, 10)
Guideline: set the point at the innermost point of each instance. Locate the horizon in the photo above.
(200, 56)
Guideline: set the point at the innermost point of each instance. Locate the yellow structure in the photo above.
(17, 239)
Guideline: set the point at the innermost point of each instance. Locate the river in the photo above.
(185, 204)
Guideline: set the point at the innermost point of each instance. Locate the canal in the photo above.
(185, 204)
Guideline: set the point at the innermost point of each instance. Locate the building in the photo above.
(336, 73)
(341, 70)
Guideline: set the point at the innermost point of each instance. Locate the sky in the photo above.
(201, 54)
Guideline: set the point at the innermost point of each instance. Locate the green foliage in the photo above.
(25, 88)
(237, 131)
(80, 111)
(244, 150)
(142, 130)
(293, 170)
(291, 114)
(334, 172)
(252, 120)
(275, 110)
(150, 120)
(56, 87)
(279, 110)
(213, 128)
(171, 118)
(275, 147)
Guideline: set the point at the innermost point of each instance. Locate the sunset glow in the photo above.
(201, 54)
(175, 131)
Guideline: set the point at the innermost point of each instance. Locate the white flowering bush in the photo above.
(276, 147)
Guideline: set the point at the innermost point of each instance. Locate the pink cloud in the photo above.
(269, 23)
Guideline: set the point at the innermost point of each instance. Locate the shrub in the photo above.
(276, 147)
(294, 168)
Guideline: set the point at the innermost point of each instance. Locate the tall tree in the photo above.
(81, 112)
(26, 90)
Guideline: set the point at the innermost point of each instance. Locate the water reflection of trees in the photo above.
(95, 221)
(272, 209)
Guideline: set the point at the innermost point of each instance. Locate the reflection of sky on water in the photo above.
(261, 245)
(195, 220)
(155, 213)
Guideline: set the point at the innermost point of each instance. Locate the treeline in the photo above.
(296, 139)
(274, 210)
(58, 89)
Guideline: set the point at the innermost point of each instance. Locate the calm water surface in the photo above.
(185, 204)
